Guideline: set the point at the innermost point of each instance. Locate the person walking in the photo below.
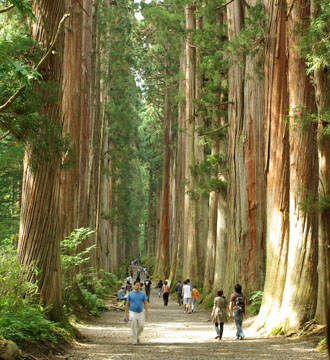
(186, 294)
(166, 293)
(136, 300)
(147, 287)
(194, 298)
(237, 308)
(160, 286)
(218, 314)
(128, 287)
(178, 290)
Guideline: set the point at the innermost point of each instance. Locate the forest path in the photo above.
(171, 334)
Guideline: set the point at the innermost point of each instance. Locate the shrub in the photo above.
(22, 319)
(255, 302)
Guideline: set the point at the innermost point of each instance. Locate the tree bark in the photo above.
(39, 238)
(322, 91)
(190, 262)
(246, 190)
(276, 163)
(299, 300)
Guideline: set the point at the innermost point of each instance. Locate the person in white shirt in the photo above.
(187, 298)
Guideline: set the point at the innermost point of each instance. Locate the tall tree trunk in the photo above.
(301, 279)
(150, 215)
(190, 262)
(246, 240)
(163, 267)
(39, 238)
(322, 91)
(276, 163)
(179, 180)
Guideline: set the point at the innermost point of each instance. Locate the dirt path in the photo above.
(171, 334)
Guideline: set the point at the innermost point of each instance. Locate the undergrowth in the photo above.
(22, 317)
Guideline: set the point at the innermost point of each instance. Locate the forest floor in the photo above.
(171, 334)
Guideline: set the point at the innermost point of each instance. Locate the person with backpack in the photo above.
(178, 290)
(166, 293)
(218, 314)
(237, 308)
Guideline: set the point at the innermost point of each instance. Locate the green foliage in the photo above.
(70, 258)
(250, 40)
(11, 156)
(96, 304)
(208, 171)
(24, 6)
(315, 42)
(22, 319)
(322, 345)
(255, 302)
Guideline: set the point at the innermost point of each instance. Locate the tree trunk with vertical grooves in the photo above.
(163, 265)
(95, 131)
(253, 252)
(216, 212)
(179, 180)
(202, 221)
(246, 191)
(276, 163)
(85, 118)
(299, 300)
(190, 263)
(150, 215)
(322, 91)
(40, 232)
(212, 234)
(71, 119)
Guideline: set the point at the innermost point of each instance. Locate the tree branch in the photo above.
(213, 131)
(22, 88)
(223, 6)
(6, 9)
(246, 4)
(5, 135)
(82, 8)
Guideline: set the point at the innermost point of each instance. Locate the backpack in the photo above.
(239, 301)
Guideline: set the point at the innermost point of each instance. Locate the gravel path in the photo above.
(172, 334)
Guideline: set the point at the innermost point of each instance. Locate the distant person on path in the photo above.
(178, 290)
(237, 308)
(194, 297)
(166, 293)
(160, 286)
(121, 294)
(136, 300)
(218, 314)
(147, 287)
(186, 294)
(138, 278)
(128, 287)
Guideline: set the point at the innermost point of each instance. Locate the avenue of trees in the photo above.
(193, 134)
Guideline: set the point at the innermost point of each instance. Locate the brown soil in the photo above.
(171, 334)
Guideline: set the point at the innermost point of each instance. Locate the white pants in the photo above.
(137, 325)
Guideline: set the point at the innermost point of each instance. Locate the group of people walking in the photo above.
(236, 309)
(137, 308)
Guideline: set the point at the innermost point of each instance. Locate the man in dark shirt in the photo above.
(147, 286)
(178, 290)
